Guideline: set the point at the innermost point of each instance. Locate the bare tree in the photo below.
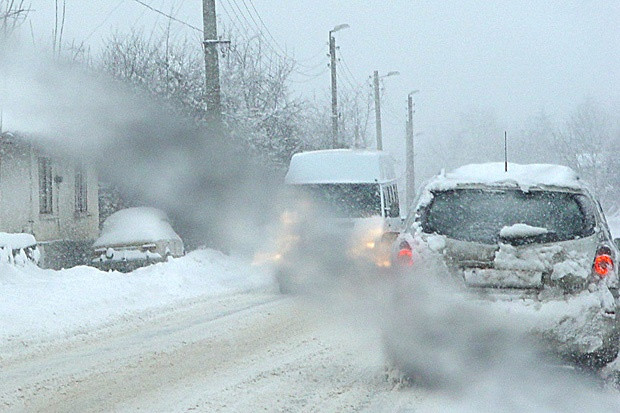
(355, 109)
(587, 143)
(262, 114)
(12, 14)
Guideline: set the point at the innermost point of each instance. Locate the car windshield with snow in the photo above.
(533, 235)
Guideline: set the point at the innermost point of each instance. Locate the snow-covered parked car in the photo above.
(135, 237)
(532, 239)
(18, 249)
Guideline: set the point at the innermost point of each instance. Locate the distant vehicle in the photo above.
(356, 192)
(533, 237)
(135, 237)
(352, 184)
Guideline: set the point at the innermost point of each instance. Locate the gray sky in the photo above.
(512, 58)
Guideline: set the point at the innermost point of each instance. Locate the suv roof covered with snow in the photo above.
(522, 175)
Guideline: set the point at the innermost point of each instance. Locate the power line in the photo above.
(350, 73)
(241, 18)
(168, 16)
(104, 20)
(230, 13)
(262, 22)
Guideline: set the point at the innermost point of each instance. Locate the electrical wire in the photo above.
(104, 21)
(262, 22)
(167, 15)
(238, 24)
(241, 18)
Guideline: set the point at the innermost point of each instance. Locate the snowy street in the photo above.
(204, 332)
(241, 352)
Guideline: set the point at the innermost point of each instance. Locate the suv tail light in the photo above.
(603, 263)
(405, 255)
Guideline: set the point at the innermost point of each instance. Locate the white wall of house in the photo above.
(16, 189)
(19, 197)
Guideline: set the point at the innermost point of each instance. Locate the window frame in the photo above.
(81, 190)
(46, 186)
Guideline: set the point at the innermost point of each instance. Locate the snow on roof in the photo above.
(492, 174)
(524, 176)
(135, 226)
(16, 241)
(340, 166)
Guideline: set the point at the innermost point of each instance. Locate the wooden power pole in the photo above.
(378, 111)
(212, 66)
(332, 64)
(410, 174)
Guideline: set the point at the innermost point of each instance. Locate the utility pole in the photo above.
(410, 174)
(505, 151)
(410, 151)
(332, 65)
(378, 112)
(212, 66)
(378, 106)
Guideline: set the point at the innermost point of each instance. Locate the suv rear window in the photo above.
(478, 215)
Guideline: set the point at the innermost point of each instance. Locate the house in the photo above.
(53, 199)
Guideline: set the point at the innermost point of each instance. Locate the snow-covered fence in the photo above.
(18, 249)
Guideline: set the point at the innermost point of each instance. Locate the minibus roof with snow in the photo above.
(341, 166)
(352, 183)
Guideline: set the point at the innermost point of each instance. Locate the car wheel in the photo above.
(603, 356)
(286, 284)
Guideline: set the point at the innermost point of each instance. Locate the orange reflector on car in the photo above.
(603, 264)
(405, 257)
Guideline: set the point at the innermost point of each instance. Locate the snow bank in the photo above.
(40, 305)
(134, 226)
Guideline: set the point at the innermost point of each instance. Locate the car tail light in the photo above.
(405, 255)
(603, 263)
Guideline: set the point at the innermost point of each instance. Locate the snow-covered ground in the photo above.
(208, 332)
(40, 306)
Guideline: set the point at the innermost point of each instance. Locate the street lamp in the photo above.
(332, 57)
(410, 154)
(339, 27)
(378, 106)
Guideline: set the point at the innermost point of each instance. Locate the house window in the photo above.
(81, 199)
(45, 186)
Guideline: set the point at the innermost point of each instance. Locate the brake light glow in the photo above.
(603, 264)
(405, 255)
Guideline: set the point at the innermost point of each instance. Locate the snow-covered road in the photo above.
(208, 332)
(242, 352)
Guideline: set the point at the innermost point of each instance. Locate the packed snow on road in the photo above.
(210, 332)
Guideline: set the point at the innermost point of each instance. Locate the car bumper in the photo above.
(574, 324)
